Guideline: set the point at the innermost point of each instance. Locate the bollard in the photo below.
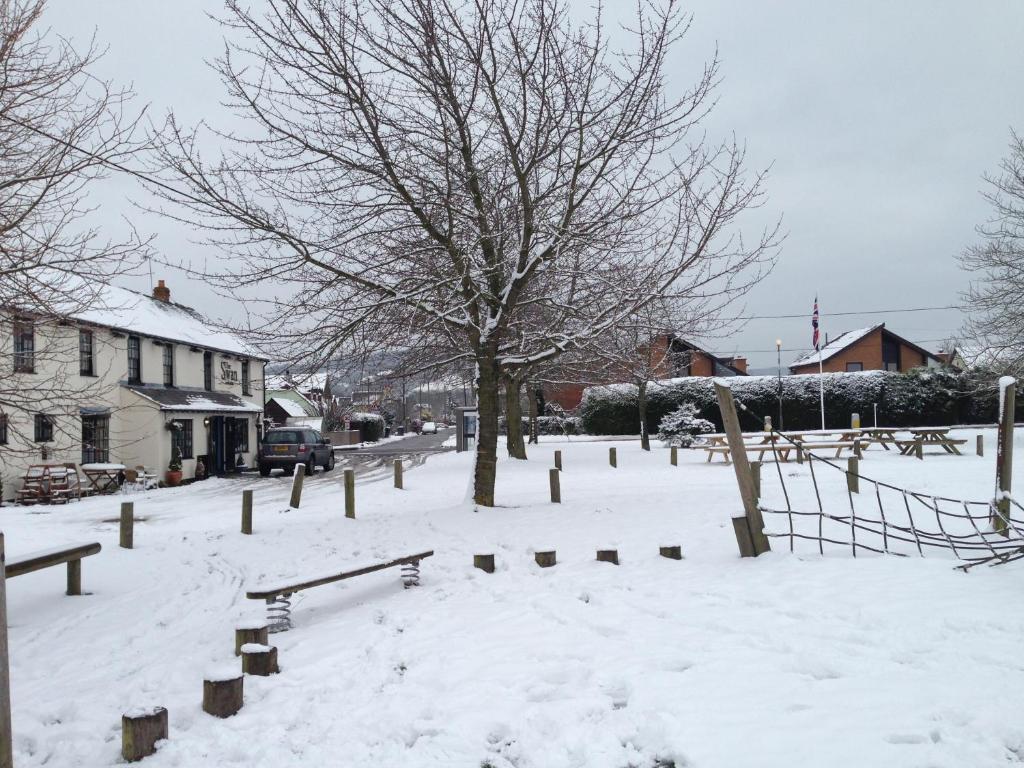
(556, 490)
(398, 473)
(297, 477)
(612, 458)
(222, 694)
(979, 446)
(558, 460)
(919, 448)
(858, 450)
(608, 556)
(852, 472)
(484, 562)
(674, 456)
(247, 512)
(545, 559)
(799, 452)
(350, 494)
(141, 729)
(127, 524)
(674, 552)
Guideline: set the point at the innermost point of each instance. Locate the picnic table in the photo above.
(49, 483)
(776, 443)
(925, 436)
(104, 478)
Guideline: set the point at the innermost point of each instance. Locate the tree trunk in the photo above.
(487, 383)
(531, 394)
(641, 400)
(514, 417)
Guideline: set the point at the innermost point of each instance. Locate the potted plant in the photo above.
(173, 476)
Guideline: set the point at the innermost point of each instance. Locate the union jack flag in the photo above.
(814, 323)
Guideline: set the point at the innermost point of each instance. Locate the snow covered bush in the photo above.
(681, 426)
(370, 426)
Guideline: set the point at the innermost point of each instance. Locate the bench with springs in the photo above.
(279, 606)
(36, 561)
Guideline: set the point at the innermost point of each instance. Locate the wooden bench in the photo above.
(36, 561)
(279, 607)
(783, 449)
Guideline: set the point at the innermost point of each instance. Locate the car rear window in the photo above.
(283, 436)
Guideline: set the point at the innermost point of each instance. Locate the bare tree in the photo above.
(60, 130)
(996, 324)
(452, 165)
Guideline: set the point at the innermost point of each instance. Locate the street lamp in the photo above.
(778, 358)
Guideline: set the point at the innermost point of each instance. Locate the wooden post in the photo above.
(556, 490)
(674, 456)
(222, 696)
(6, 737)
(674, 552)
(755, 471)
(919, 448)
(140, 731)
(350, 494)
(484, 562)
(799, 452)
(608, 556)
(979, 445)
(259, 659)
(612, 458)
(398, 473)
(247, 512)
(852, 474)
(545, 559)
(74, 577)
(127, 524)
(858, 451)
(250, 632)
(744, 476)
(742, 531)
(297, 478)
(558, 460)
(1004, 456)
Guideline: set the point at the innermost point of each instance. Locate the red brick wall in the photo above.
(868, 352)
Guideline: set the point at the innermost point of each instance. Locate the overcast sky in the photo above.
(877, 117)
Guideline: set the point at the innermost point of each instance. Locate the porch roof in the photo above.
(194, 400)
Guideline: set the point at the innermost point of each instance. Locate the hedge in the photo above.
(370, 426)
(923, 397)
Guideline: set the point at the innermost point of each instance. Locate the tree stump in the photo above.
(259, 659)
(251, 632)
(141, 729)
(350, 494)
(247, 512)
(612, 458)
(556, 488)
(222, 695)
(608, 556)
(127, 525)
(297, 478)
(545, 559)
(558, 460)
(674, 552)
(484, 563)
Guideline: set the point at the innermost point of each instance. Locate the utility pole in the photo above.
(778, 359)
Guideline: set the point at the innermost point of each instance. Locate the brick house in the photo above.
(676, 358)
(867, 349)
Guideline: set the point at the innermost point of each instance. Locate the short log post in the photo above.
(608, 556)
(979, 445)
(919, 448)
(222, 696)
(350, 494)
(259, 659)
(484, 562)
(556, 488)
(858, 449)
(558, 460)
(612, 459)
(673, 456)
(140, 731)
(74, 577)
(674, 552)
(545, 559)
(398, 473)
(247, 512)
(297, 478)
(755, 473)
(1004, 457)
(6, 738)
(251, 632)
(853, 474)
(127, 524)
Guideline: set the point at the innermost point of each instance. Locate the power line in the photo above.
(805, 315)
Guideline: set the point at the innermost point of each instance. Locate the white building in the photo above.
(135, 375)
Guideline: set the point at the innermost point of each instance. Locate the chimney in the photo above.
(162, 292)
(739, 363)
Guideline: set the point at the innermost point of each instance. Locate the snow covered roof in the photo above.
(835, 346)
(288, 405)
(177, 399)
(136, 313)
(296, 399)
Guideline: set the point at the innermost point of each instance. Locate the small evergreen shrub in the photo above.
(682, 426)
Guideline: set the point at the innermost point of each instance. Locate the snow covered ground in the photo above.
(712, 661)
